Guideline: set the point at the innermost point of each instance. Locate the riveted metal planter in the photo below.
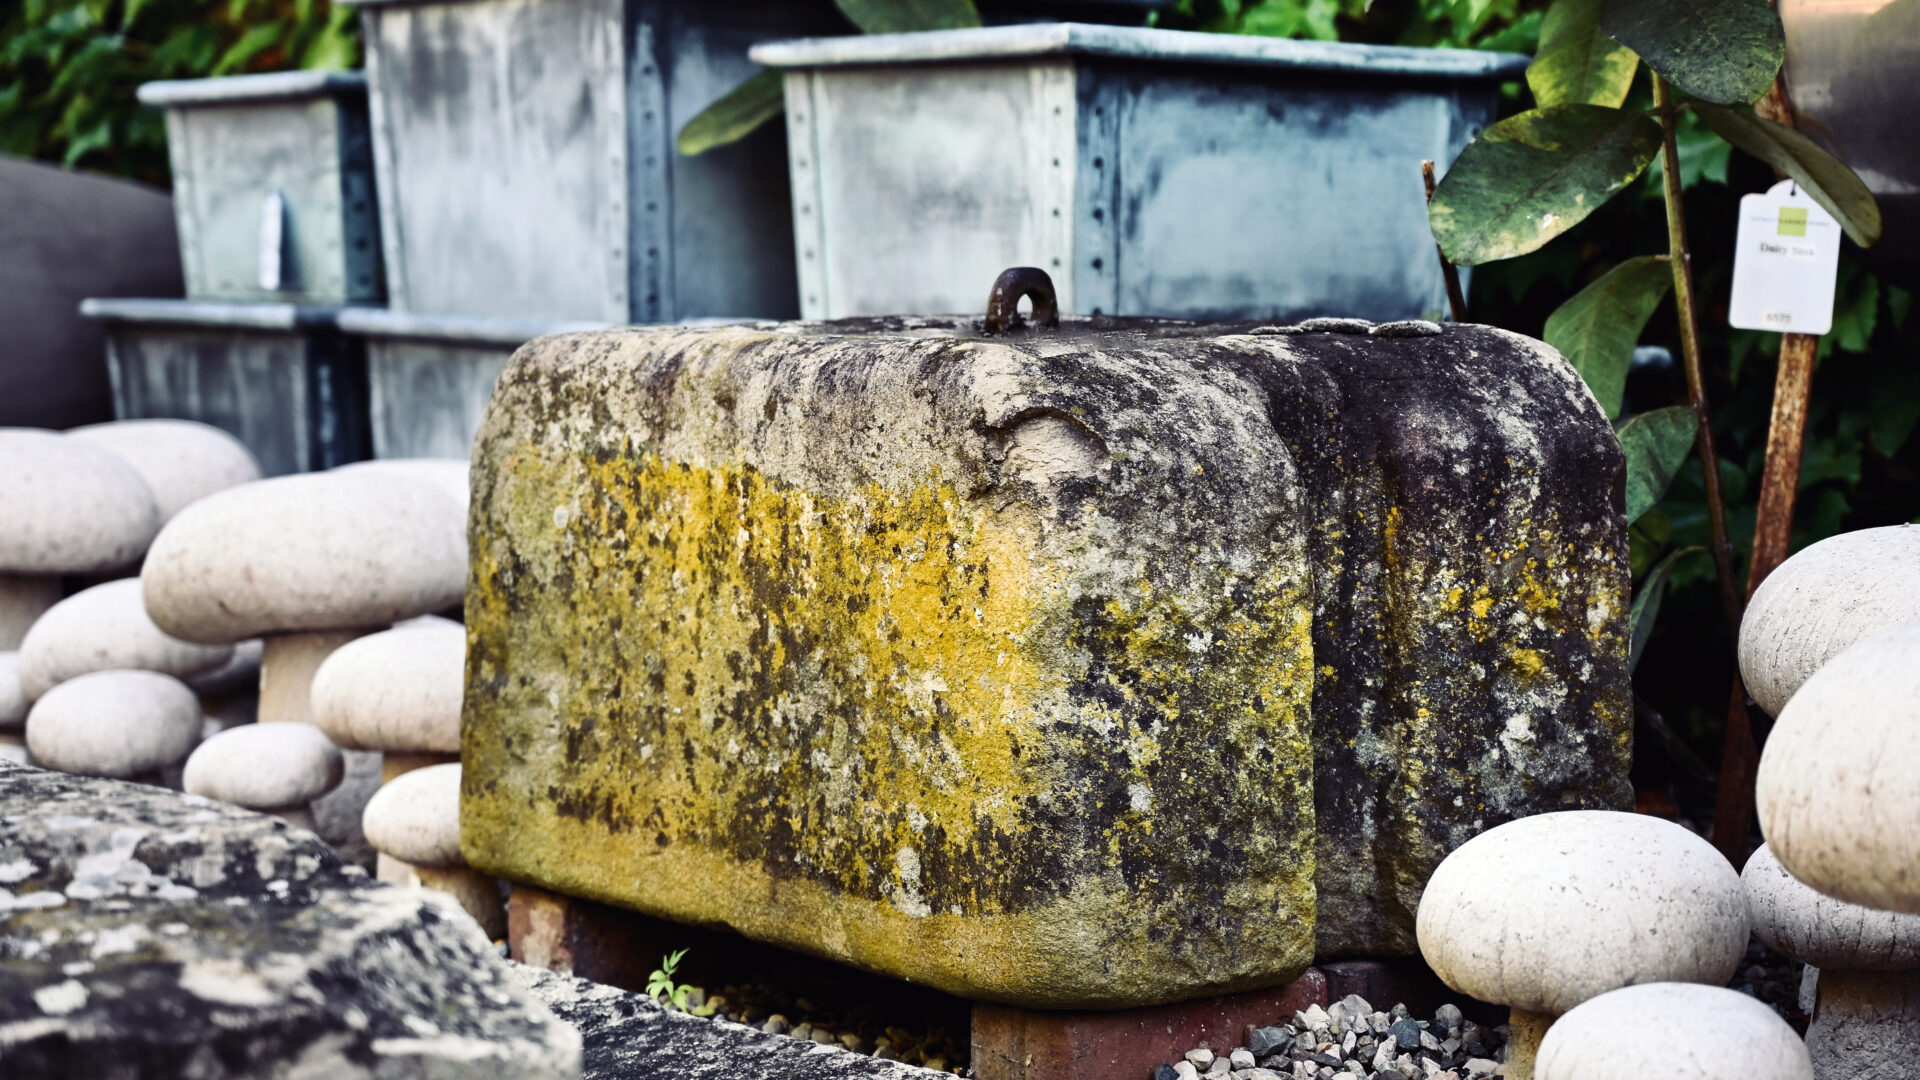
(527, 163)
(279, 377)
(273, 186)
(1152, 172)
(429, 376)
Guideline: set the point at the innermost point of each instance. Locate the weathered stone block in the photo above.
(153, 934)
(997, 664)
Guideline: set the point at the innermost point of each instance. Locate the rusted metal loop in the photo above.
(1003, 304)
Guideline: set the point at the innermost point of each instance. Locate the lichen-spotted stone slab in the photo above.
(983, 665)
(991, 664)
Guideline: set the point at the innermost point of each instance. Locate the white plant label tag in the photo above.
(1785, 257)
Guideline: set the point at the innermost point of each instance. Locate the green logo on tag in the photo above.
(1793, 221)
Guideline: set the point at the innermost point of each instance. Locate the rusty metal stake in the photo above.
(1772, 536)
(1456, 298)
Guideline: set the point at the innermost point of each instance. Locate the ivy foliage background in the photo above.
(69, 68)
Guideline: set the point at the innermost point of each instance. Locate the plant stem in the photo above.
(1456, 298)
(1720, 546)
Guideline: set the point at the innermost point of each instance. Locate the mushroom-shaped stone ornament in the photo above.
(1672, 1031)
(1543, 913)
(124, 724)
(398, 692)
(1822, 600)
(415, 819)
(308, 562)
(1839, 783)
(448, 474)
(1866, 1025)
(182, 461)
(68, 508)
(275, 768)
(106, 628)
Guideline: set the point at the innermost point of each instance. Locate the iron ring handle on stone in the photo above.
(1003, 304)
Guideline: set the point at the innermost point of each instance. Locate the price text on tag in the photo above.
(1784, 260)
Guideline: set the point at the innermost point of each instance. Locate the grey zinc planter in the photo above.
(1152, 172)
(279, 377)
(273, 186)
(527, 164)
(429, 376)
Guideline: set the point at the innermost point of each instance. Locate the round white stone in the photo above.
(1839, 783)
(182, 461)
(325, 551)
(106, 628)
(448, 474)
(1823, 600)
(265, 766)
(1545, 912)
(1817, 929)
(1673, 1031)
(13, 700)
(71, 507)
(399, 689)
(416, 817)
(114, 723)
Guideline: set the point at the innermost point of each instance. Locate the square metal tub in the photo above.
(273, 186)
(1151, 172)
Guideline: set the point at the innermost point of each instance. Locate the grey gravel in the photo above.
(1351, 1040)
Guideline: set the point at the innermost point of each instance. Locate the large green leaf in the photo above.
(1576, 63)
(1646, 603)
(1655, 443)
(906, 16)
(1597, 329)
(1721, 50)
(1825, 177)
(735, 116)
(1531, 177)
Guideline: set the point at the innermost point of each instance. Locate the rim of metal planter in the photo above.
(466, 329)
(228, 89)
(1132, 43)
(249, 316)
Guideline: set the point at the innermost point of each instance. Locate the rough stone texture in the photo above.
(399, 689)
(265, 766)
(1838, 790)
(1866, 1025)
(1008, 666)
(106, 628)
(23, 599)
(114, 723)
(72, 508)
(152, 934)
(13, 700)
(416, 817)
(181, 460)
(1675, 1031)
(1822, 600)
(629, 1036)
(324, 551)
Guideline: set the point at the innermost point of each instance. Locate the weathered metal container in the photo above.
(273, 186)
(527, 163)
(279, 377)
(1152, 172)
(429, 376)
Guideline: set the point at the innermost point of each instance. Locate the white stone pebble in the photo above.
(114, 723)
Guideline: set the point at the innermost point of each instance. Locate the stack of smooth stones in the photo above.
(1353, 1039)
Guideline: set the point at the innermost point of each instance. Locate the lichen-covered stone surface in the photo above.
(998, 664)
(629, 1036)
(153, 934)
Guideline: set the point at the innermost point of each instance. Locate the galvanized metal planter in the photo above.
(527, 166)
(277, 376)
(1152, 172)
(273, 186)
(429, 376)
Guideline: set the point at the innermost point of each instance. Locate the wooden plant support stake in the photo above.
(1456, 298)
(1772, 536)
